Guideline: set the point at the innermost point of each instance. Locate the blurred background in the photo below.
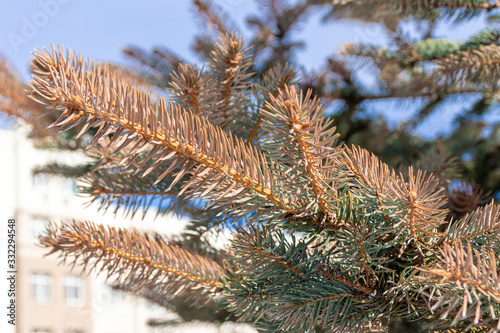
(147, 37)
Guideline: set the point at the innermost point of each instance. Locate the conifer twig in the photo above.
(169, 130)
(132, 258)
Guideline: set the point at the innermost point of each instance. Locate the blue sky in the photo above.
(100, 29)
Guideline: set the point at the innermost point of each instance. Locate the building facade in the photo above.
(51, 297)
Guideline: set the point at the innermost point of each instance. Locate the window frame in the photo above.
(76, 283)
(39, 280)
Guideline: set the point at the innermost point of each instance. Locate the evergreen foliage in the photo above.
(370, 244)
(325, 235)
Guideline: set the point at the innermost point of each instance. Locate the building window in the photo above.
(41, 288)
(38, 227)
(74, 287)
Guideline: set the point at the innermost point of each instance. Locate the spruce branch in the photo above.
(156, 65)
(281, 281)
(441, 164)
(139, 261)
(167, 56)
(56, 169)
(258, 249)
(191, 86)
(14, 102)
(479, 228)
(277, 78)
(214, 17)
(392, 11)
(121, 189)
(412, 203)
(323, 237)
(167, 131)
(365, 249)
(464, 284)
(484, 37)
(126, 75)
(299, 138)
(465, 197)
(335, 274)
(423, 202)
(274, 44)
(481, 66)
(368, 170)
(272, 40)
(115, 186)
(230, 64)
(426, 50)
(372, 175)
(272, 82)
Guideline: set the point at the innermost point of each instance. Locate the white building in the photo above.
(51, 297)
